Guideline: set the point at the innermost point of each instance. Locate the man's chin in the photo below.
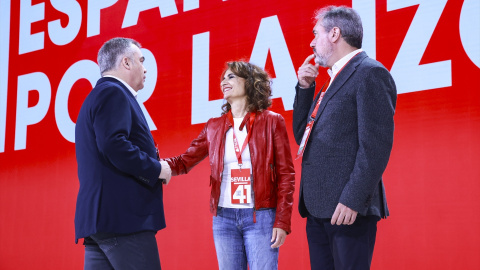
(320, 62)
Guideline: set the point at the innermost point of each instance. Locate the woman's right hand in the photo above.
(279, 236)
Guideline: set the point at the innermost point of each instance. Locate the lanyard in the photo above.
(238, 152)
(310, 123)
(309, 127)
(322, 93)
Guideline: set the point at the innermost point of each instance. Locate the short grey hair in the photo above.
(344, 18)
(112, 52)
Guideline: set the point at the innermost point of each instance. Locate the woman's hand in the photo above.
(278, 235)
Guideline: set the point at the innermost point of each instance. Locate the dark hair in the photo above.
(112, 52)
(344, 18)
(257, 85)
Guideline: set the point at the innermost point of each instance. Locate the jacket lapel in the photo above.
(340, 80)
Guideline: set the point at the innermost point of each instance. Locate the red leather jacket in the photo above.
(273, 172)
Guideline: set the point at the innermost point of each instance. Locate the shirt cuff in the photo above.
(311, 86)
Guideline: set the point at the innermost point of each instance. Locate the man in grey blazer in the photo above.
(345, 135)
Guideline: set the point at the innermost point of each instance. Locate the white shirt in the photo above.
(340, 64)
(134, 93)
(230, 161)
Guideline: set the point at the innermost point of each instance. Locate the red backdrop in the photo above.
(48, 53)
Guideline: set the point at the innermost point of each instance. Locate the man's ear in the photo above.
(335, 34)
(126, 63)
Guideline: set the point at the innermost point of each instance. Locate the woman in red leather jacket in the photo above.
(252, 175)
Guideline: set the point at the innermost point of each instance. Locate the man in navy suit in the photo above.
(345, 137)
(120, 200)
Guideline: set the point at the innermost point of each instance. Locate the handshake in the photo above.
(165, 173)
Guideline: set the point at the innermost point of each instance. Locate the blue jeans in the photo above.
(239, 240)
(133, 251)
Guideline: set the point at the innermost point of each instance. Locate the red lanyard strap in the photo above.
(322, 93)
(239, 152)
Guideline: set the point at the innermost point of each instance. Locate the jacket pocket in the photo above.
(272, 186)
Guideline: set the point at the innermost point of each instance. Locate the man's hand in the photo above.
(343, 215)
(307, 72)
(166, 172)
(278, 235)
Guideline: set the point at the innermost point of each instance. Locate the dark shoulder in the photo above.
(371, 64)
(107, 82)
(108, 90)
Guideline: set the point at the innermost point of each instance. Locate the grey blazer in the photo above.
(350, 143)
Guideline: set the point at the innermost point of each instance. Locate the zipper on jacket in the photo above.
(272, 176)
(254, 201)
(220, 176)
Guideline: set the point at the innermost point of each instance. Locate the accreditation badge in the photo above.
(241, 185)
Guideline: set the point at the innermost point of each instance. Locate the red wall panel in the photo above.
(431, 180)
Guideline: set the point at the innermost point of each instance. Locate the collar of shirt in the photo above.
(340, 63)
(134, 93)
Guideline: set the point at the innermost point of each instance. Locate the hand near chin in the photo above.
(307, 73)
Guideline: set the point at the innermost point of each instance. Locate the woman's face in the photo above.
(232, 86)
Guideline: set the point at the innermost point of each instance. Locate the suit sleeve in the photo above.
(301, 107)
(285, 176)
(112, 124)
(376, 100)
(196, 152)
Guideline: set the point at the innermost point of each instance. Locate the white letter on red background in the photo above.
(270, 37)
(4, 55)
(367, 12)
(83, 69)
(28, 116)
(93, 15)
(190, 4)
(56, 32)
(470, 30)
(143, 95)
(134, 7)
(29, 14)
(409, 75)
(202, 108)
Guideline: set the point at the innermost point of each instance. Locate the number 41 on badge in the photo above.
(241, 186)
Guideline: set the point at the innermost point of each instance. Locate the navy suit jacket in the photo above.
(351, 140)
(117, 163)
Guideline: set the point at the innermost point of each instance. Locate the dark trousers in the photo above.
(341, 247)
(133, 251)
